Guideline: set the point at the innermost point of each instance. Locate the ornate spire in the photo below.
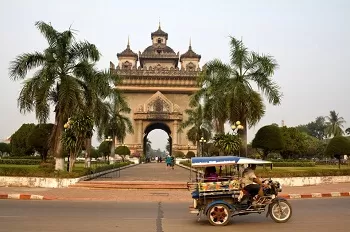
(190, 47)
(128, 46)
(159, 24)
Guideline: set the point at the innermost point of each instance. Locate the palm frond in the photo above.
(25, 62)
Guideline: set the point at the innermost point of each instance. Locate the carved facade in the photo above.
(158, 83)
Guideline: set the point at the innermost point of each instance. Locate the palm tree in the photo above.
(335, 124)
(98, 88)
(200, 127)
(230, 87)
(115, 123)
(57, 81)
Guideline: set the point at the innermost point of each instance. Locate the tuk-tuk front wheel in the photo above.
(219, 215)
(280, 211)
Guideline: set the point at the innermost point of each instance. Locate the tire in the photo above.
(219, 215)
(276, 208)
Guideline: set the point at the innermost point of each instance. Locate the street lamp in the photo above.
(202, 141)
(235, 128)
(109, 139)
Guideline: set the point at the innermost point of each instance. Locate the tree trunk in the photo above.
(243, 135)
(88, 153)
(71, 161)
(58, 148)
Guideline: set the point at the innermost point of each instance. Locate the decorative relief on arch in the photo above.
(190, 67)
(159, 103)
(126, 65)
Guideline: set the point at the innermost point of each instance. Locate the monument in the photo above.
(158, 84)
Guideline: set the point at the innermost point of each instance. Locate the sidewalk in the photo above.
(326, 190)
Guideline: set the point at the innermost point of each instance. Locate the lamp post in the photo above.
(188, 148)
(202, 141)
(109, 139)
(235, 128)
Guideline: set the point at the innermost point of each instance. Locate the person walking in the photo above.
(168, 161)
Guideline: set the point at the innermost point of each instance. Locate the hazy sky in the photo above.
(309, 39)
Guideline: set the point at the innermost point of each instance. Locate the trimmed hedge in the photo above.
(294, 164)
(277, 164)
(304, 173)
(299, 171)
(21, 157)
(48, 171)
(21, 161)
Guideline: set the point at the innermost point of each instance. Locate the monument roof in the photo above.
(190, 54)
(159, 32)
(127, 52)
(159, 48)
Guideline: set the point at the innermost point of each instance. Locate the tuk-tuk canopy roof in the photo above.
(224, 160)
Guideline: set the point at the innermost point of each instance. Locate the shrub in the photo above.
(178, 154)
(21, 161)
(190, 154)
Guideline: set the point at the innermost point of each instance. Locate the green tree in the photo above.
(148, 146)
(58, 80)
(122, 151)
(294, 144)
(337, 147)
(94, 153)
(178, 154)
(19, 142)
(190, 154)
(233, 85)
(316, 128)
(39, 139)
(116, 124)
(335, 124)
(227, 143)
(5, 148)
(104, 149)
(199, 126)
(268, 139)
(78, 128)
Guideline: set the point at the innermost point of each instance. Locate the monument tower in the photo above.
(157, 84)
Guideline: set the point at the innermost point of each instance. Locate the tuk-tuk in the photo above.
(220, 194)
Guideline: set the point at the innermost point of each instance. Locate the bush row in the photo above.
(47, 170)
(294, 164)
(21, 157)
(304, 173)
(277, 164)
(21, 161)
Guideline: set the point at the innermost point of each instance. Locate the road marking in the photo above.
(316, 195)
(14, 196)
(335, 194)
(294, 196)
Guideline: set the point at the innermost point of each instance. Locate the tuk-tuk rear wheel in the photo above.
(219, 215)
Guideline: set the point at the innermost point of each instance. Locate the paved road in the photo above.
(149, 172)
(32, 216)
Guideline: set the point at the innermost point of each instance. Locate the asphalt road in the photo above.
(66, 216)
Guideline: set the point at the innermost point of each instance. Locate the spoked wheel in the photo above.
(219, 215)
(281, 212)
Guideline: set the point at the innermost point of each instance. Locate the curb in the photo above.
(24, 197)
(316, 195)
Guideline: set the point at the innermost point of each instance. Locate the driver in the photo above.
(251, 183)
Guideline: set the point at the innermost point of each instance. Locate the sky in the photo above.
(309, 39)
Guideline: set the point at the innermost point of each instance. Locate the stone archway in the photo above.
(153, 126)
